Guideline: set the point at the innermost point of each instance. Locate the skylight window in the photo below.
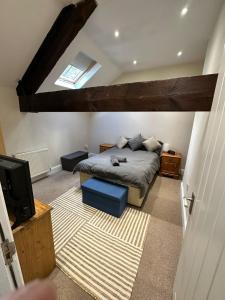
(71, 74)
(78, 73)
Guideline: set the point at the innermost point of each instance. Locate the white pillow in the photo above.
(122, 142)
(151, 144)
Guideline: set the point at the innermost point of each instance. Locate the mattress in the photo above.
(138, 171)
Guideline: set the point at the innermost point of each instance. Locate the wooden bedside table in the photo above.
(170, 164)
(104, 147)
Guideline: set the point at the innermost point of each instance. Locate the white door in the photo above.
(201, 268)
(10, 274)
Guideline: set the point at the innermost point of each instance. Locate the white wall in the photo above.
(62, 133)
(172, 127)
(107, 127)
(198, 139)
(180, 70)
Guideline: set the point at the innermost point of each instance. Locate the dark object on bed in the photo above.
(106, 196)
(121, 159)
(71, 160)
(115, 161)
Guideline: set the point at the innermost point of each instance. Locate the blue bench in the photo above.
(105, 196)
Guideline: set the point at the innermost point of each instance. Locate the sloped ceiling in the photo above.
(151, 31)
(23, 26)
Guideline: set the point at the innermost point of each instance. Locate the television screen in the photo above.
(17, 188)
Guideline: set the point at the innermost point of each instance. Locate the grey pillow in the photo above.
(158, 151)
(136, 142)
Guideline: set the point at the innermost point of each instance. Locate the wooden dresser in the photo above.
(104, 147)
(170, 164)
(34, 244)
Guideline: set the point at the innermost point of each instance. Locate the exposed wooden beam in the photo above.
(65, 28)
(181, 94)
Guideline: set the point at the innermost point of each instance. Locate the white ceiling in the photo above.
(152, 31)
(23, 26)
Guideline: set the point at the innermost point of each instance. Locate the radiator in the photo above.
(38, 161)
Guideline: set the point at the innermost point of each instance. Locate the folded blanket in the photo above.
(121, 159)
(114, 161)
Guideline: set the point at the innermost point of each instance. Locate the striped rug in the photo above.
(97, 251)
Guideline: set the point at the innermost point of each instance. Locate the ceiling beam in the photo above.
(180, 94)
(65, 28)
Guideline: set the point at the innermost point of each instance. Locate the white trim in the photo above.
(51, 172)
(183, 209)
(55, 169)
(174, 295)
(6, 227)
(182, 172)
(39, 177)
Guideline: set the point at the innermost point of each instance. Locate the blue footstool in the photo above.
(105, 196)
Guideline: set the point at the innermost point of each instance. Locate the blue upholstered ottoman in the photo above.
(106, 196)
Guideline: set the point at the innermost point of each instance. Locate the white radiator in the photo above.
(38, 161)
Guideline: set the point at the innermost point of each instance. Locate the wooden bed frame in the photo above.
(134, 193)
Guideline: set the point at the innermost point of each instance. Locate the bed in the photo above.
(137, 173)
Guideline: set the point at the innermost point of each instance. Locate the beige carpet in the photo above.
(158, 264)
(99, 252)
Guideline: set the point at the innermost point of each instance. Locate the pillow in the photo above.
(159, 150)
(151, 144)
(136, 142)
(122, 142)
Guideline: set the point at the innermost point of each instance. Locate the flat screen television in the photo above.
(17, 188)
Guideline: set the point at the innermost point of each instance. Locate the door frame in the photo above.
(14, 277)
(204, 241)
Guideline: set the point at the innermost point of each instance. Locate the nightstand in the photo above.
(170, 164)
(104, 147)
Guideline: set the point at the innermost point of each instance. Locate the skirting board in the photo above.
(55, 169)
(39, 177)
(182, 172)
(174, 296)
(183, 209)
(52, 171)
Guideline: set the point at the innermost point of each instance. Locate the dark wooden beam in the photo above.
(181, 94)
(65, 28)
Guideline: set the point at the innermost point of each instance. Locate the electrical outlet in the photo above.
(86, 147)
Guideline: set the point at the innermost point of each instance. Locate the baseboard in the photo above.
(39, 177)
(174, 296)
(183, 209)
(55, 169)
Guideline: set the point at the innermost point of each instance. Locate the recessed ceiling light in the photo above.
(179, 53)
(116, 33)
(134, 62)
(184, 11)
